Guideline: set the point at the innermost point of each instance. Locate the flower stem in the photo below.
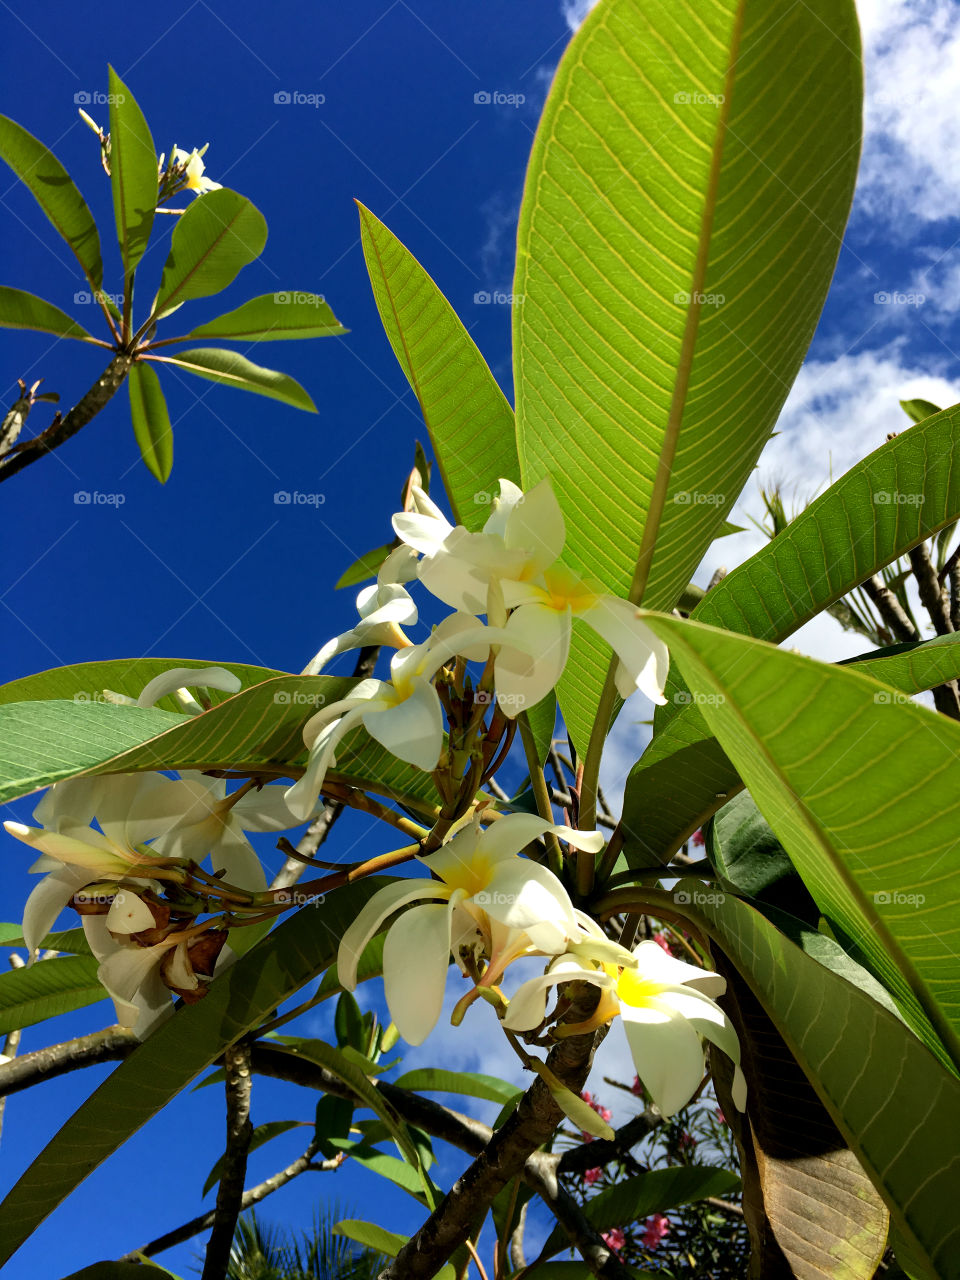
(539, 784)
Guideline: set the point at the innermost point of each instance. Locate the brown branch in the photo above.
(45, 1064)
(302, 1164)
(932, 596)
(889, 608)
(953, 575)
(236, 1062)
(12, 1042)
(61, 429)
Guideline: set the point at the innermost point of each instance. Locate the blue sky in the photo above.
(210, 566)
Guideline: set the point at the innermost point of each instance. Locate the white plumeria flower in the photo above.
(174, 682)
(403, 714)
(487, 900)
(514, 565)
(384, 609)
(194, 170)
(666, 1006)
(130, 808)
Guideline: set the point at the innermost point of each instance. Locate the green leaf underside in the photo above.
(151, 421)
(270, 319)
(470, 422)
(837, 542)
(659, 1190)
(133, 173)
(52, 187)
(48, 988)
(676, 242)
(234, 370)
(70, 940)
(897, 1108)
(21, 310)
(259, 729)
(176, 1053)
(875, 848)
(220, 233)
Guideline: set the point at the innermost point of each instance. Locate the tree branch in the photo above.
(45, 1064)
(236, 1061)
(889, 608)
(61, 429)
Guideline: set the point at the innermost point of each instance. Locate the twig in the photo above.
(889, 608)
(58, 1059)
(61, 429)
(932, 596)
(12, 1043)
(236, 1062)
(517, 1260)
(302, 1164)
(954, 579)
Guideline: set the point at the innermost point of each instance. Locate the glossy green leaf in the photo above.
(471, 1083)
(86, 681)
(749, 859)
(469, 419)
(262, 1133)
(45, 177)
(632, 1199)
(864, 794)
(220, 233)
(917, 410)
(672, 275)
(332, 1119)
(234, 370)
(151, 421)
(46, 989)
(71, 941)
(21, 310)
(133, 173)
(365, 568)
(896, 1106)
(273, 317)
(257, 729)
(175, 1054)
(396, 1171)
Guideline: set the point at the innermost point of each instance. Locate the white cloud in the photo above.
(575, 11)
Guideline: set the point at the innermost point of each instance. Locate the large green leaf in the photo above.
(151, 421)
(272, 317)
(470, 422)
(475, 1085)
(864, 795)
(175, 1054)
(683, 210)
(21, 310)
(219, 234)
(45, 177)
(259, 730)
(833, 545)
(234, 370)
(45, 989)
(897, 1108)
(133, 174)
(684, 774)
(635, 1198)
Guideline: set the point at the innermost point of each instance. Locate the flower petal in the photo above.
(129, 913)
(523, 895)
(528, 1005)
(47, 900)
(536, 525)
(93, 853)
(416, 956)
(528, 668)
(235, 857)
(68, 804)
(188, 678)
(667, 1054)
(372, 915)
(413, 729)
(644, 660)
(425, 533)
(654, 963)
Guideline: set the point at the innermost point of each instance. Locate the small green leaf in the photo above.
(45, 177)
(332, 1120)
(133, 173)
(475, 1085)
(374, 1237)
(348, 1022)
(219, 234)
(917, 410)
(543, 722)
(262, 1133)
(234, 370)
(368, 566)
(21, 310)
(46, 989)
(71, 941)
(151, 421)
(273, 317)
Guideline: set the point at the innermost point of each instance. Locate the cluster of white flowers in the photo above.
(510, 573)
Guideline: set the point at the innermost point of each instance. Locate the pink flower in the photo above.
(697, 839)
(686, 1141)
(661, 940)
(604, 1113)
(585, 1137)
(587, 1096)
(720, 1116)
(590, 1176)
(657, 1227)
(637, 1087)
(614, 1239)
